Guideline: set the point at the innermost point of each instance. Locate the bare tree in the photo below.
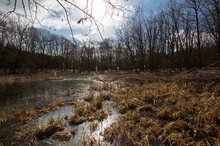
(211, 15)
(152, 34)
(124, 35)
(187, 37)
(197, 6)
(32, 8)
(32, 39)
(106, 54)
(87, 56)
(139, 38)
(3, 32)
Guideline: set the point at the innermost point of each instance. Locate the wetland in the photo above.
(113, 109)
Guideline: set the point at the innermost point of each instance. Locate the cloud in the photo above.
(105, 17)
(82, 38)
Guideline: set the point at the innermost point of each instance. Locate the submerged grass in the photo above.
(89, 111)
(49, 130)
(25, 134)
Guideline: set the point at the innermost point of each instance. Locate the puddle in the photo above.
(86, 133)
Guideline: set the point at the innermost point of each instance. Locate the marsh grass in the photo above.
(163, 111)
(72, 91)
(4, 117)
(101, 87)
(42, 131)
(93, 126)
(8, 79)
(89, 98)
(26, 134)
(27, 115)
(88, 112)
(12, 79)
(48, 130)
(31, 113)
(62, 136)
(56, 103)
(186, 113)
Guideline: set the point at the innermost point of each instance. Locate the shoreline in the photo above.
(204, 74)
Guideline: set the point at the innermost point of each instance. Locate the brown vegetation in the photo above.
(165, 111)
(24, 78)
(5, 117)
(185, 112)
(51, 129)
(62, 136)
(91, 112)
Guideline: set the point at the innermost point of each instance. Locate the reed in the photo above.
(169, 112)
(53, 127)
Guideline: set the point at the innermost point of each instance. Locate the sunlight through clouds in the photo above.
(105, 17)
(98, 16)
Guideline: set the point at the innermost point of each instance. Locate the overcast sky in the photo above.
(109, 18)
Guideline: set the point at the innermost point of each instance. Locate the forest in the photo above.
(180, 36)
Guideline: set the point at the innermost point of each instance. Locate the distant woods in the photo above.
(25, 49)
(179, 36)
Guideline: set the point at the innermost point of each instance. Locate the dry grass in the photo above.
(72, 91)
(183, 113)
(101, 87)
(5, 117)
(62, 136)
(7, 79)
(57, 103)
(27, 115)
(24, 135)
(32, 113)
(47, 131)
(93, 126)
(89, 111)
(43, 131)
(164, 111)
(89, 98)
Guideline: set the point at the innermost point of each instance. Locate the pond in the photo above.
(18, 97)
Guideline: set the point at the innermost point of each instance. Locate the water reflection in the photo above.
(19, 96)
(84, 132)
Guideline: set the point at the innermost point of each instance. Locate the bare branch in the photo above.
(67, 17)
(97, 23)
(32, 8)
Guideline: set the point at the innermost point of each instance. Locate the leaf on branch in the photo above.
(81, 20)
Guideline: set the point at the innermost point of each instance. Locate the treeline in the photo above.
(182, 35)
(24, 48)
(13, 61)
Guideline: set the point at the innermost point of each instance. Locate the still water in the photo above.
(19, 96)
